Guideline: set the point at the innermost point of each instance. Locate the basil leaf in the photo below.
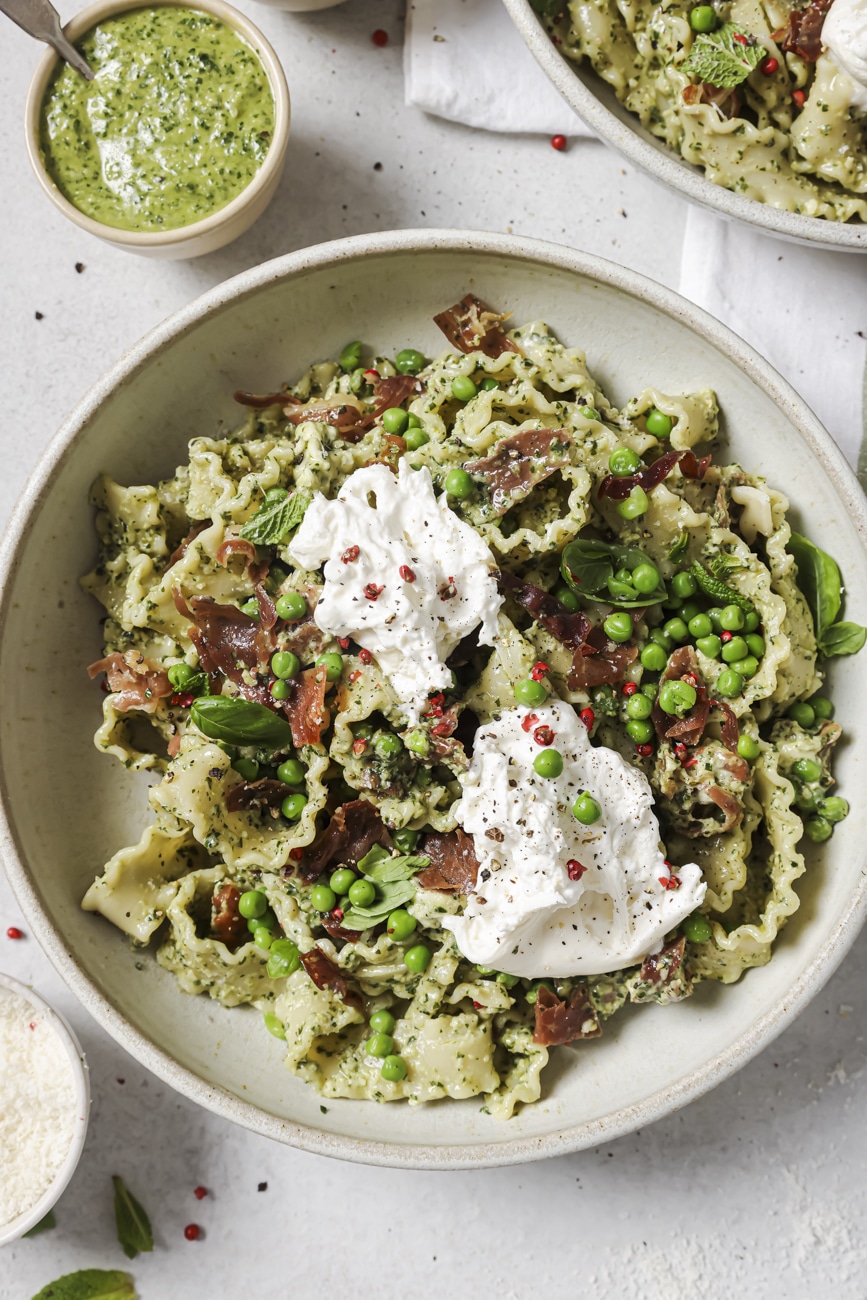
(240, 722)
(133, 1225)
(819, 580)
(680, 548)
(388, 870)
(371, 857)
(843, 639)
(725, 57)
(390, 896)
(90, 1284)
(43, 1225)
(587, 566)
(276, 519)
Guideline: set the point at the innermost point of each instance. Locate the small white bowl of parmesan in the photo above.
(44, 1107)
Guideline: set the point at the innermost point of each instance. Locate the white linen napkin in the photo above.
(465, 60)
(803, 309)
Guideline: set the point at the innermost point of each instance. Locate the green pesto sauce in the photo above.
(175, 124)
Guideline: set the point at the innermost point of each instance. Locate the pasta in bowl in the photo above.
(135, 428)
(482, 707)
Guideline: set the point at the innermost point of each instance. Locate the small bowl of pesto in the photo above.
(177, 145)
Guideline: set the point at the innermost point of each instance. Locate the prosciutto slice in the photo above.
(228, 641)
(353, 830)
(326, 974)
(689, 729)
(471, 326)
(305, 708)
(135, 682)
(803, 32)
(226, 921)
(454, 866)
(257, 570)
(618, 489)
(519, 463)
(266, 793)
(558, 1021)
(661, 967)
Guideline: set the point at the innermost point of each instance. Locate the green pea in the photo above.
(280, 690)
(567, 597)
(506, 981)
(689, 611)
(291, 606)
(639, 730)
(653, 658)
(180, 675)
(715, 616)
(806, 800)
(618, 627)
(623, 462)
(532, 993)
(700, 626)
(530, 692)
(590, 413)
(697, 928)
(393, 1069)
(658, 424)
(748, 667)
(322, 898)
(489, 383)
(734, 650)
(342, 881)
(676, 630)
(710, 646)
(416, 438)
(748, 748)
(362, 893)
(729, 683)
(833, 809)
(634, 505)
(586, 810)
(387, 744)
(459, 484)
(624, 576)
(405, 839)
(382, 1022)
(250, 608)
(548, 763)
(248, 768)
(283, 958)
(332, 662)
(357, 380)
(400, 925)
(684, 585)
(414, 421)
(463, 388)
(273, 495)
(804, 714)
(703, 19)
(807, 769)
(677, 697)
(486, 970)
(650, 689)
(822, 708)
(417, 958)
(395, 420)
(381, 1045)
(293, 806)
(751, 621)
(350, 356)
(252, 904)
(818, 829)
(645, 578)
(659, 638)
(418, 742)
(409, 361)
(291, 772)
(285, 664)
(756, 644)
(274, 1025)
(638, 706)
(263, 937)
(731, 618)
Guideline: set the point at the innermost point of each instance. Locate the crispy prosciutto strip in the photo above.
(333, 927)
(259, 401)
(180, 551)
(470, 326)
(267, 608)
(392, 390)
(728, 805)
(618, 489)
(342, 415)
(266, 793)
(453, 863)
(661, 967)
(803, 32)
(135, 682)
(226, 921)
(353, 830)
(692, 466)
(519, 463)
(257, 570)
(305, 708)
(683, 663)
(601, 662)
(226, 638)
(727, 100)
(326, 974)
(730, 729)
(559, 1022)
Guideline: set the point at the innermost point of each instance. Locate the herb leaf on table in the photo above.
(90, 1284)
(133, 1225)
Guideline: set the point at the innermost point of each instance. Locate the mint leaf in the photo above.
(725, 57)
(43, 1225)
(133, 1225)
(679, 549)
(276, 519)
(843, 639)
(90, 1284)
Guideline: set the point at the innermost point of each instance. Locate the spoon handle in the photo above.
(40, 19)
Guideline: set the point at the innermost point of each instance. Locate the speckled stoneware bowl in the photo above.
(66, 808)
(595, 101)
(222, 226)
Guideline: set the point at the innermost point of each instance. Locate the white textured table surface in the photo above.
(755, 1190)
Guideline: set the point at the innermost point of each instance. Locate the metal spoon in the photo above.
(41, 19)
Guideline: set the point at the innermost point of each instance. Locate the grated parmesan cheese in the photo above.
(38, 1111)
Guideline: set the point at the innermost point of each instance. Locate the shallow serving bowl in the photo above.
(66, 808)
(596, 103)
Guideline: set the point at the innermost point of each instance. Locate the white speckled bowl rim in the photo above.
(757, 1035)
(24, 1222)
(585, 92)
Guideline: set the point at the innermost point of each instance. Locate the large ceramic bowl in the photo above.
(66, 807)
(595, 102)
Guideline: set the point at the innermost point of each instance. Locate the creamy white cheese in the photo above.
(527, 917)
(420, 581)
(844, 36)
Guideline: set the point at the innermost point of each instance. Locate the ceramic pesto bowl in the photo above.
(224, 224)
(257, 330)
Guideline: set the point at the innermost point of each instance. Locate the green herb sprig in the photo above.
(240, 722)
(133, 1225)
(820, 580)
(274, 520)
(90, 1284)
(725, 57)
